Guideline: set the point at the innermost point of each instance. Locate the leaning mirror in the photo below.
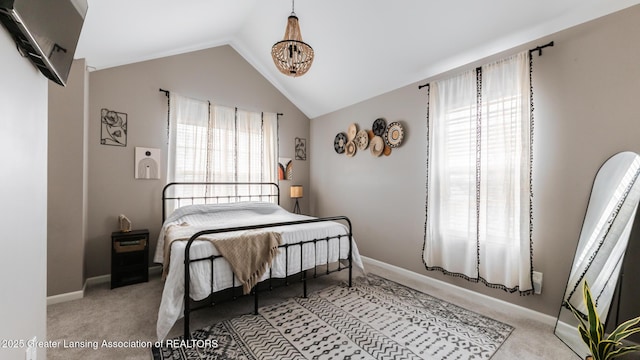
(602, 244)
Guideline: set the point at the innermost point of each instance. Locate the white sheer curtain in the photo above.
(270, 146)
(478, 200)
(223, 144)
(188, 139)
(451, 219)
(213, 143)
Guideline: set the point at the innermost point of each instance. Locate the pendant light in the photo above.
(292, 56)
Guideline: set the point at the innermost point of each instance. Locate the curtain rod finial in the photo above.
(539, 48)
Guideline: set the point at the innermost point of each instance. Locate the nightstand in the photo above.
(129, 257)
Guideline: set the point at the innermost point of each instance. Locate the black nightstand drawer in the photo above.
(129, 257)
(133, 243)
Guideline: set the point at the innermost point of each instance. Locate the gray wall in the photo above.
(67, 182)
(586, 109)
(23, 190)
(217, 74)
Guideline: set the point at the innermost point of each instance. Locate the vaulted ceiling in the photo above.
(363, 47)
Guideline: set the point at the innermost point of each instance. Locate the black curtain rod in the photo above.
(537, 48)
(166, 92)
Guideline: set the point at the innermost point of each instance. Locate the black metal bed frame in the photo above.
(191, 305)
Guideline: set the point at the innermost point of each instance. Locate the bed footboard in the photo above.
(188, 307)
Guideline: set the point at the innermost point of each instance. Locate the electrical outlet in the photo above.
(537, 282)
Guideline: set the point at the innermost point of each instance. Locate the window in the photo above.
(212, 143)
(479, 176)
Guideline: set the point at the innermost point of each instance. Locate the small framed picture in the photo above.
(147, 163)
(113, 128)
(301, 149)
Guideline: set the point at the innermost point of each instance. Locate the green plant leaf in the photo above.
(622, 351)
(625, 329)
(576, 313)
(585, 336)
(605, 347)
(596, 329)
(592, 331)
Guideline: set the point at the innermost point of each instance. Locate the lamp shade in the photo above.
(295, 191)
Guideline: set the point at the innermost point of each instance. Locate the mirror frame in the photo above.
(626, 206)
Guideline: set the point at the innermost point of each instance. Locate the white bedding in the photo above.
(194, 218)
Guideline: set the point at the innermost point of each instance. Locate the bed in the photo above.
(208, 215)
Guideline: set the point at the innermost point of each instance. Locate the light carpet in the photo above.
(374, 319)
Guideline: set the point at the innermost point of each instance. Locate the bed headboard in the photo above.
(177, 194)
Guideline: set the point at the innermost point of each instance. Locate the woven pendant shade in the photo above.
(292, 56)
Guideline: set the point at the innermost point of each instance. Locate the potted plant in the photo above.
(592, 331)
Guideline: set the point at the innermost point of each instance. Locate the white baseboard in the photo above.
(74, 295)
(98, 280)
(60, 298)
(405, 277)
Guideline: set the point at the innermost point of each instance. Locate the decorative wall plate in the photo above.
(394, 134)
(370, 134)
(340, 143)
(351, 148)
(377, 146)
(379, 126)
(352, 131)
(362, 140)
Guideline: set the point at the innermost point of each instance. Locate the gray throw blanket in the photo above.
(249, 255)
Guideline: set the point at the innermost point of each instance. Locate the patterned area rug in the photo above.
(374, 319)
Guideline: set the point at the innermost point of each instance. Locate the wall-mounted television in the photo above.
(46, 31)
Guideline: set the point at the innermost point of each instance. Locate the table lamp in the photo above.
(296, 193)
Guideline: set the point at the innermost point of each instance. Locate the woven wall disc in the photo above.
(351, 148)
(362, 140)
(394, 134)
(340, 142)
(376, 146)
(379, 126)
(352, 131)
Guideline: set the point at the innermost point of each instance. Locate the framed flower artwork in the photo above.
(301, 149)
(113, 128)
